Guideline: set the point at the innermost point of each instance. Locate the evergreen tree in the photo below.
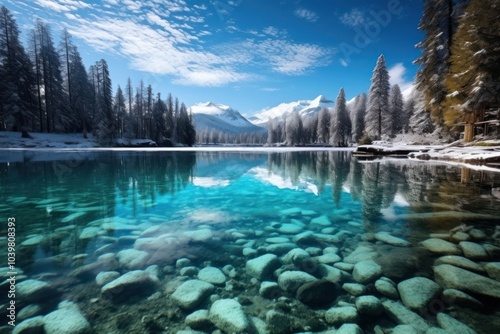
(420, 121)
(106, 128)
(324, 126)
(340, 123)
(159, 112)
(293, 129)
(185, 127)
(358, 117)
(437, 23)
(120, 111)
(399, 119)
(378, 119)
(169, 117)
(17, 101)
(473, 80)
(81, 92)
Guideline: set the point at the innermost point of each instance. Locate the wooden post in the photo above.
(468, 132)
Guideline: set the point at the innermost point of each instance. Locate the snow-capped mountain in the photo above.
(303, 107)
(214, 116)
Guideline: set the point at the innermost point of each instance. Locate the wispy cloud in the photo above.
(354, 18)
(398, 76)
(306, 14)
(62, 5)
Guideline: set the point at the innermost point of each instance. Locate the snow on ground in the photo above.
(9, 139)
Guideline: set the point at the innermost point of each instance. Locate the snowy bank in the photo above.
(9, 139)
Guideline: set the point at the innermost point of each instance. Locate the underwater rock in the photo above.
(387, 287)
(452, 325)
(451, 277)
(492, 250)
(212, 275)
(296, 256)
(199, 235)
(290, 281)
(132, 259)
(29, 312)
(403, 316)
(249, 252)
(183, 262)
(406, 329)
(131, 284)
(198, 320)
(440, 246)
(290, 229)
(33, 241)
(332, 274)
(341, 315)
(29, 326)
(279, 249)
(305, 238)
(33, 290)
(321, 221)
(277, 240)
(460, 261)
(473, 251)
(417, 292)
(105, 262)
(89, 232)
(396, 262)
(391, 240)
(318, 294)
(228, 316)
(369, 305)
(456, 297)
(493, 270)
(354, 289)
(270, 290)
(262, 266)
(366, 271)
(191, 293)
(329, 258)
(278, 322)
(460, 236)
(349, 329)
(189, 271)
(105, 277)
(344, 266)
(67, 319)
(477, 234)
(361, 253)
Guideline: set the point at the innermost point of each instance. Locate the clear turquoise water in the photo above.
(242, 198)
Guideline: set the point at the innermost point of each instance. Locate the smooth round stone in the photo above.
(493, 270)
(366, 271)
(296, 256)
(318, 294)
(473, 251)
(322, 221)
(387, 288)
(452, 325)
(440, 246)
(199, 235)
(29, 311)
(460, 261)
(270, 290)
(391, 240)
(183, 262)
(417, 292)
(290, 229)
(341, 315)
(457, 297)
(329, 258)
(228, 316)
(262, 266)
(212, 275)
(277, 240)
(31, 325)
(349, 329)
(132, 258)
(189, 271)
(33, 290)
(460, 236)
(191, 293)
(198, 320)
(344, 266)
(291, 280)
(66, 320)
(477, 234)
(369, 305)
(405, 329)
(105, 277)
(329, 250)
(354, 289)
(314, 251)
(249, 252)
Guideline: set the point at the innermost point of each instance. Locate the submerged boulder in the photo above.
(228, 316)
(137, 283)
(262, 266)
(417, 292)
(191, 293)
(67, 319)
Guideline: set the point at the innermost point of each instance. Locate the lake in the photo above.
(117, 241)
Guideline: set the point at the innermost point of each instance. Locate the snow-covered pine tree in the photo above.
(358, 117)
(293, 129)
(324, 121)
(399, 119)
(472, 81)
(340, 128)
(420, 121)
(17, 101)
(378, 119)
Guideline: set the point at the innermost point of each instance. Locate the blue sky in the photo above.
(249, 54)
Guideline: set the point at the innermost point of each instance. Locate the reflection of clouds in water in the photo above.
(495, 192)
(281, 182)
(389, 213)
(209, 182)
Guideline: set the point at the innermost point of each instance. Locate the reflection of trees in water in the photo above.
(340, 162)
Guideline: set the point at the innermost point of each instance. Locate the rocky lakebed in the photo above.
(303, 274)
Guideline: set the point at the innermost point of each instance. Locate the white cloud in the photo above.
(62, 5)
(398, 76)
(306, 14)
(353, 18)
